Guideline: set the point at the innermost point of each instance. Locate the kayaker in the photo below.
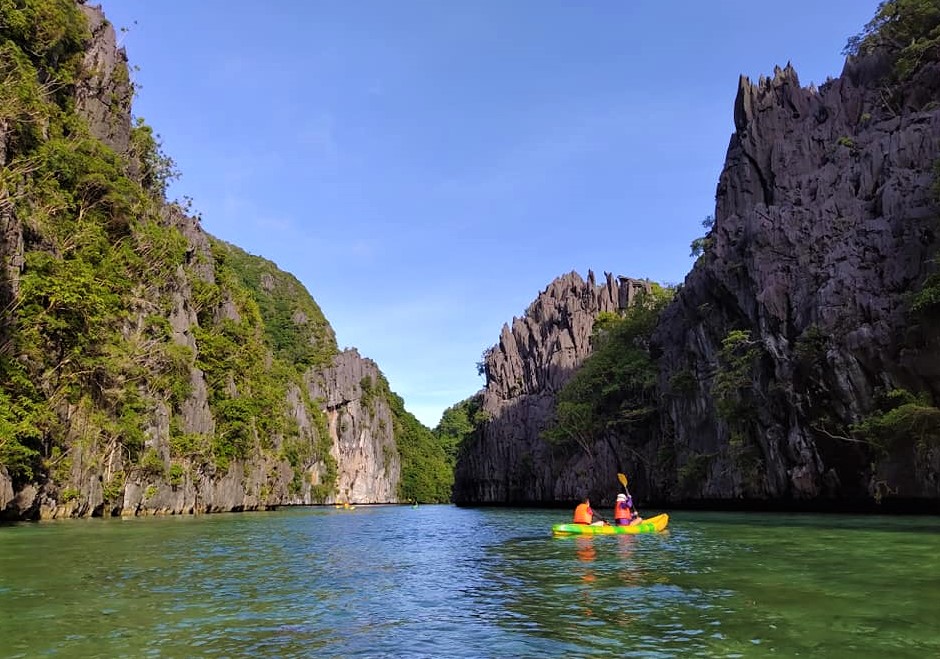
(624, 514)
(583, 514)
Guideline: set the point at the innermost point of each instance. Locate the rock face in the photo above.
(824, 225)
(535, 357)
(360, 425)
(791, 327)
(338, 442)
(362, 451)
(104, 95)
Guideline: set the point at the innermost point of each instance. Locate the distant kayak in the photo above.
(651, 525)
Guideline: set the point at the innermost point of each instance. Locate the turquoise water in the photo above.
(442, 581)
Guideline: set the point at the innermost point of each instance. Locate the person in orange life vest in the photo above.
(583, 514)
(624, 515)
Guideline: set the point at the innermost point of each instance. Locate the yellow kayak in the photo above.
(651, 525)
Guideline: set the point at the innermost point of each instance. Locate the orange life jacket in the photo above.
(583, 514)
(622, 511)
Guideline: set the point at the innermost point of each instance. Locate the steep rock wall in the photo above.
(824, 225)
(509, 462)
(789, 329)
(360, 426)
(103, 96)
(96, 475)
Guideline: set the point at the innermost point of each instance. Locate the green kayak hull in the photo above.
(651, 525)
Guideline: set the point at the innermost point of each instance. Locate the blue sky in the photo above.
(426, 168)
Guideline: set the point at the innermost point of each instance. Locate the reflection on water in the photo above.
(710, 589)
(586, 554)
(442, 581)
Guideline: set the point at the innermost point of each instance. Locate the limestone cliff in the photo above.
(824, 228)
(798, 363)
(148, 367)
(360, 424)
(508, 461)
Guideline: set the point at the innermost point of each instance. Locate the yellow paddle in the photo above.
(623, 481)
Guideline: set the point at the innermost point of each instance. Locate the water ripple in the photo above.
(440, 581)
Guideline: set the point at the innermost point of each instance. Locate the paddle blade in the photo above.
(623, 479)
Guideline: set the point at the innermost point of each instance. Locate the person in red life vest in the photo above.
(624, 514)
(583, 514)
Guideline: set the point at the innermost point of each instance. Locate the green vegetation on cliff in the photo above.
(458, 425)
(736, 396)
(248, 385)
(614, 391)
(907, 30)
(902, 423)
(90, 354)
(427, 473)
(82, 247)
(901, 416)
(294, 325)
(926, 301)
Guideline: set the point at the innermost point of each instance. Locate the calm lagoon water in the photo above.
(441, 581)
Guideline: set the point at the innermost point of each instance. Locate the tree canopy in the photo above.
(908, 30)
(615, 389)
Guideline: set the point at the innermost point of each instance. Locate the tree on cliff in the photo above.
(95, 374)
(614, 391)
(458, 424)
(909, 30)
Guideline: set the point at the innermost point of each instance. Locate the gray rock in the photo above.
(361, 429)
(824, 225)
(535, 357)
(95, 475)
(6, 489)
(103, 96)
